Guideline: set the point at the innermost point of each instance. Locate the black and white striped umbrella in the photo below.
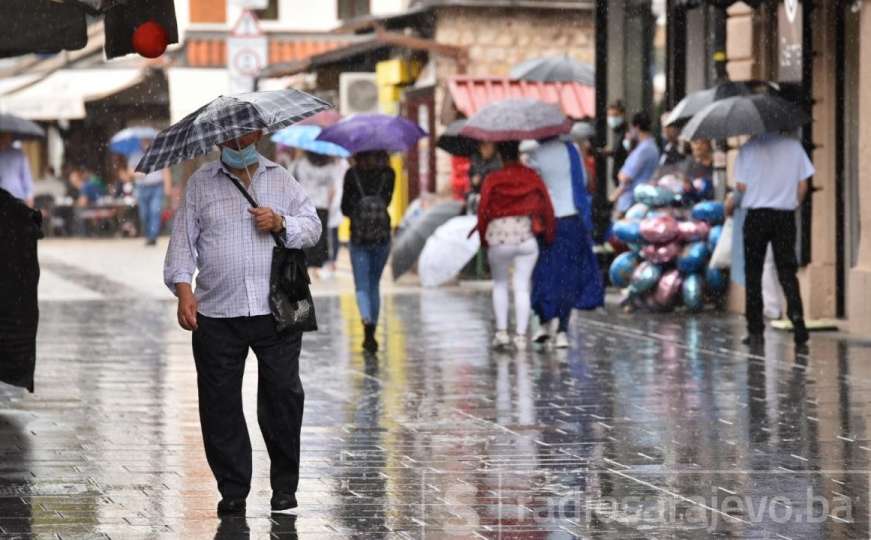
(227, 118)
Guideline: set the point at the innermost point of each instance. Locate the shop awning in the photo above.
(63, 94)
(470, 94)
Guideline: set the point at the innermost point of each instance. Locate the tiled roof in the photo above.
(212, 51)
(472, 93)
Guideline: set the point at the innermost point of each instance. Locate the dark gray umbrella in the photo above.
(19, 127)
(745, 115)
(453, 143)
(516, 120)
(555, 69)
(696, 101)
(409, 243)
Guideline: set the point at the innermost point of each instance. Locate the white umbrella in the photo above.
(447, 251)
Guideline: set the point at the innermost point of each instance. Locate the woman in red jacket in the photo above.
(514, 209)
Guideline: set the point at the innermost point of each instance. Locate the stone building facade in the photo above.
(498, 39)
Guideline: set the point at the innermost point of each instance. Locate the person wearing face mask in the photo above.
(219, 235)
(640, 166)
(620, 150)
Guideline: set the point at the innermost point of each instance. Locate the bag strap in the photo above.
(360, 185)
(254, 204)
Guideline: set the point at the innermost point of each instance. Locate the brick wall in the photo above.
(499, 39)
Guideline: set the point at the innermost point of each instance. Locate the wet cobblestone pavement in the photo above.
(650, 426)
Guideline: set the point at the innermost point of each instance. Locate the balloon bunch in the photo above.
(667, 250)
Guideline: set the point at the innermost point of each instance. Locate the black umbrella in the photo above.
(453, 143)
(696, 101)
(745, 115)
(555, 69)
(20, 128)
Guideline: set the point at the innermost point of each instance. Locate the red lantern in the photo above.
(149, 39)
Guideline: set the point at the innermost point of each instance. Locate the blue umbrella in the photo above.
(128, 141)
(304, 138)
(370, 132)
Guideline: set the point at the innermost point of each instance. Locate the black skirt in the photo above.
(319, 254)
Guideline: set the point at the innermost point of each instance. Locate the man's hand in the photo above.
(266, 220)
(187, 306)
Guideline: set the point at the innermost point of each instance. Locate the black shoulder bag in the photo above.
(290, 298)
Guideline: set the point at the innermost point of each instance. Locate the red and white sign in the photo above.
(247, 52)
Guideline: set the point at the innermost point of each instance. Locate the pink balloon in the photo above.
(661, 254)
(660, 229)
(668, 289)
(693, 231)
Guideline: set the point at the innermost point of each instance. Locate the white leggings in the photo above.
(522, 257)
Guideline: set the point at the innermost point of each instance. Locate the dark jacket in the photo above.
(370, 180)
(20, 228)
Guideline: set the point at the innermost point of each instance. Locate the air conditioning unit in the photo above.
(358, 93)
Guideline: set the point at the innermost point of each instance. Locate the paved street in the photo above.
(651, 426)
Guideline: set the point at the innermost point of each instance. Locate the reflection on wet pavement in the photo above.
(649, 427)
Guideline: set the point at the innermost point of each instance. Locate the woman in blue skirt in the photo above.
(567, 275)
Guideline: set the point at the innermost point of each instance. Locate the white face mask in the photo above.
(627, 143)
(615, 121)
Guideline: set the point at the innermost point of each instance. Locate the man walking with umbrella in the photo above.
(229, 242)
(772, 171)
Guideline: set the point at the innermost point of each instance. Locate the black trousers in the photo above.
(761, 227)
(220, 348)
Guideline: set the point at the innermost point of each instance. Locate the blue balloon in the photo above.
(637, 211)
(622, 268)
(694, 258)
(714, 237)
(715, 280)
(628, 231)
(693, 292)
(645, 278)
(664, 196)
(710, 211)
(646, 194)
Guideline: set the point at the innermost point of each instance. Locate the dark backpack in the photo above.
(370, 223)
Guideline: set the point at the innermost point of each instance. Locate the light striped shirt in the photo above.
(213, 233)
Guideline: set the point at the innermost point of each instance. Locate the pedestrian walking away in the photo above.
(640, 166)
(217, 234)
(567, 274)
(151, 190)
(772, 171)
(366, 195)
(514, 209)
(316, 174)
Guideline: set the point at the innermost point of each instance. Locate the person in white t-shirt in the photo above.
(772, 171)
(317, 174)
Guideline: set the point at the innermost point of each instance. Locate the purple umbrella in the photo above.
(370, 132)
(516, 120)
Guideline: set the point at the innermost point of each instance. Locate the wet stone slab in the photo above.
(650, 426)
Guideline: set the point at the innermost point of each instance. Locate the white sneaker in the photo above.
(562, 340)
(501, 340)
(520, 342)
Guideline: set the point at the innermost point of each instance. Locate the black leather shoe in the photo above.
(800, 335)
(282, 501)
(753, 339)
(231, 507)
